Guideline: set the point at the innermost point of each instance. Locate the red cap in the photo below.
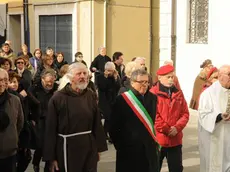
(163, 70)
(212, 70)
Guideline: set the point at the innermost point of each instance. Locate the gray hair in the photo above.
(100, 48)
(73, 68)
(139, 59)
(110, 65)
(168, 62)
(4, 72)
(48, 72)
(136, 73)
(130, 67)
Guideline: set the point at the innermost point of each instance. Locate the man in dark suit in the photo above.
(132, 127)
(98, 64)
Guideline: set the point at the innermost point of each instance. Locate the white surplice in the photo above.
(214, 138)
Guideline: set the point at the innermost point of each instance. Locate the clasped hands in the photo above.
(172, 132)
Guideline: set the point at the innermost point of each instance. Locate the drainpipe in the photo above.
(91, 30)
(151, 35)
(173, 32)
(105, 21)
(26, 23)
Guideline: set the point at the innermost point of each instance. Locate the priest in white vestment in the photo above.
(214, 124)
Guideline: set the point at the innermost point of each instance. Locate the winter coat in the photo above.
(107, 91)
(9, 137)
(136, 149)
(171, 111)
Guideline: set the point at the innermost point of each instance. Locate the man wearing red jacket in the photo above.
(172, 116)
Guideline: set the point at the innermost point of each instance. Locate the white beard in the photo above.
(82, 86)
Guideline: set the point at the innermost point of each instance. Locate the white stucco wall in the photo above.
(165, 30)
(219, 30)
(189, 56)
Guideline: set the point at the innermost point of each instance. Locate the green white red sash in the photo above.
(140, 112)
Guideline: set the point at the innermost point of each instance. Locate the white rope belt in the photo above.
(64, 145)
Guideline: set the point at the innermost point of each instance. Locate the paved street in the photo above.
(190, 151)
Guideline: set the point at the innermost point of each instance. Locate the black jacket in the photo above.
(39, 99)
(25, 81)
(37, 77)
(99, 63)
(136, 149)
(59, 65)
(107, 91)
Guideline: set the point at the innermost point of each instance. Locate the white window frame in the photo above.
(58, 9)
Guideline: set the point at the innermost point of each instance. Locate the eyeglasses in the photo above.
(143, 82)
(20, 62)
(80, 56)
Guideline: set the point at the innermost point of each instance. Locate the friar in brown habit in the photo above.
(199, 83)
(74, 135)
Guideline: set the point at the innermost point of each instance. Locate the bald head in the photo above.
(4, 77)
(224, 69)
(224, 76)
(3, 73)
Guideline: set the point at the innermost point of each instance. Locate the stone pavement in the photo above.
(190, 151)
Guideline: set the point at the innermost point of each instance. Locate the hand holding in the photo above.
(172, 132)
(115, 74)
(94, 69)
(33, 122)
(23, 93)
(106, 73)
(54, 166)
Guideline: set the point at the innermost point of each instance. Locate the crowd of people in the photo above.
(54, 108)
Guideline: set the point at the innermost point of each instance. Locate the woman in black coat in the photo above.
(108, 87)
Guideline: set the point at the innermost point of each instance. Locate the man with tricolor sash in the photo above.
(132, 127)
(171, 118)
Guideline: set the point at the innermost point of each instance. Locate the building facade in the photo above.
(186, 31)
(76, 25)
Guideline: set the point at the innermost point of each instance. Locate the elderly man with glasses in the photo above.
(132, 127)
